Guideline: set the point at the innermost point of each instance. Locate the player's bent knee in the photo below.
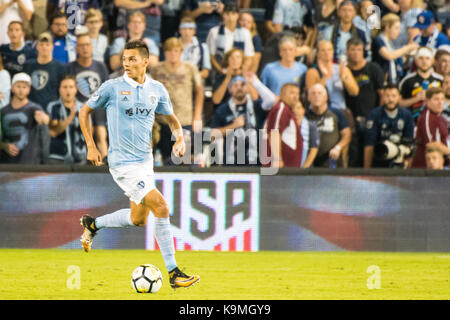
(139, 221)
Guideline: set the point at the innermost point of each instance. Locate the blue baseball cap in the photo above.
(424, 20)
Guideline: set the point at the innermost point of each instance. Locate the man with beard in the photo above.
(239, 119)
(387, 122)
(63, 41)
(413, 87)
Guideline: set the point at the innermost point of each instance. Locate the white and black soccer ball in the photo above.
(146, 279)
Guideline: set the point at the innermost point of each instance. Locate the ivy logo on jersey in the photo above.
(88, 82)
(138, 111)
(39, 79)
(129, 112)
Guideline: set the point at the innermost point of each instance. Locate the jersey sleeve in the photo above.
(164, 105)
(99, 99)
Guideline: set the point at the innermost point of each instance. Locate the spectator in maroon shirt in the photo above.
(285, 142)
(431, 126)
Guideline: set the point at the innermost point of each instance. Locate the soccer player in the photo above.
(131, 102)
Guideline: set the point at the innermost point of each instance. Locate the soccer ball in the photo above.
(146, 279)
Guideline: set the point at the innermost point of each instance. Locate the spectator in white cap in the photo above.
(20, 119)
(194, 51)
(414, 86)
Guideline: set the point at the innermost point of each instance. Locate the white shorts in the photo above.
(136, 180)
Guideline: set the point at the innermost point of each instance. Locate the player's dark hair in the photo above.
(140, 45)
(355, 41)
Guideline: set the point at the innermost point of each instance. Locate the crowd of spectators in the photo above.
(310, 83)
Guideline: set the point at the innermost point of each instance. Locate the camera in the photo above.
(395, 150)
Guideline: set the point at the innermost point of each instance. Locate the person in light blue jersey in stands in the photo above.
(286, 70)
(131, 102)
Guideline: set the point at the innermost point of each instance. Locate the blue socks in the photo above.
(163, 234)
(118, 219)
(164, 238)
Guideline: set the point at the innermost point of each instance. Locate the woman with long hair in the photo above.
(384, 52)
(246, 20)
(232, 64)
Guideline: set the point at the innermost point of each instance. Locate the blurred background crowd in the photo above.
(310, 83)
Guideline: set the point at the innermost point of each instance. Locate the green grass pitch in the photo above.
(105, 274)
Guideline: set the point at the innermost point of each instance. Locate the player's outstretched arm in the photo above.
(177, 132)
(93, 155)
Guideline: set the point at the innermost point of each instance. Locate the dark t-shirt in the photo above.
(329, 124)
(14, 61)
(19, 127)
(89, 78)
(377, 44)
(412, 84)
(370, 79)
(45, 79)
(321, 21)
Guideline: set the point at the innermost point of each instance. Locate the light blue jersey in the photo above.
(274, 75)
(130, 111)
